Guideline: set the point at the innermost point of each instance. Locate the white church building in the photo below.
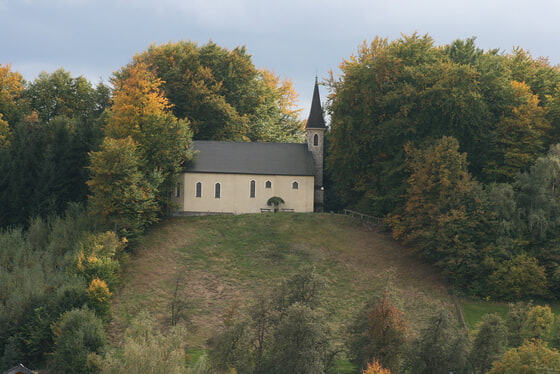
(240, 177)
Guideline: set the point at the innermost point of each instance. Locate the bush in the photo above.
(78, 334)
(538, 324)
(99, 297)
(231, 348)
(518, 278)
(147, 350)
(533, 357)
(98, 257)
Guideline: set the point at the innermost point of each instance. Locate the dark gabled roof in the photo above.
(315, 120)
(251, 158)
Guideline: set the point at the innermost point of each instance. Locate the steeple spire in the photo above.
(315, 120)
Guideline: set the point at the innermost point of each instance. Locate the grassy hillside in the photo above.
(224, 261)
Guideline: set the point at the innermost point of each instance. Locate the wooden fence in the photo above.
(363, 217)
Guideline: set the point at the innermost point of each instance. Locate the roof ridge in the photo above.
(241, 142)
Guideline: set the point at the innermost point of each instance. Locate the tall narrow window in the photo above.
(295, 185)
(178, 190)
(217, 191)
(315, 140)
(252, 192)
(198, 189)
(268, 184)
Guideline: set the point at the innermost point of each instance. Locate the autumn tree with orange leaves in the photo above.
(379, 333)
(11, 89)
(376, 368)
(156, 143)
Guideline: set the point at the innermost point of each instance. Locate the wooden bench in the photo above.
(266, 210)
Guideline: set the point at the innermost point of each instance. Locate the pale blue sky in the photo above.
(295, 39)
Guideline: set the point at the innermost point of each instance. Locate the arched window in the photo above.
(295, 186)
(268, 184)
(252, 192)
(315, 140)
(198, 189)
(217, 191)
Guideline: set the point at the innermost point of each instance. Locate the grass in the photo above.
(223, 262)
(473, 310)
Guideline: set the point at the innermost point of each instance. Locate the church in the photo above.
(241, 177)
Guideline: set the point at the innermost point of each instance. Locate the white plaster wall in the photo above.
(235, 192)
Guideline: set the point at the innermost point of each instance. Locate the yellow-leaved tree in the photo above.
(155, 147)
(376, 368)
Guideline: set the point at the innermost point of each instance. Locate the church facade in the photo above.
(240, 177)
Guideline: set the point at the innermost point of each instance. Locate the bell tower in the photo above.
(315, 132)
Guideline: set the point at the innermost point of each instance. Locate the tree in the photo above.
(11, 90)
(379, 333)
(375, 368)
(304, 287)
(517, 315)
(532, 357)
(441, 348)
(78, 334)
(141, 111)
(99, 297)
(539, 323)
(275, 201)
(58, 94)
(121, 195)
(52, 124)
(301, 344)
(231, 347)
(518, 278)
(282, 332)
(445, 215)
(222, 94)
(520, 135)
(392, 93)
(489, 344)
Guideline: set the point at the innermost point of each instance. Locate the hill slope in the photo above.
(224, 261)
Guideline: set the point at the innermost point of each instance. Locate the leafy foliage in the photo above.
(121, 195)
(489, 344)
(442, 347)
(445, 215)
(287, 335)
(146, 350)
(52, 123)
(375, 368)
(378, 334)
(531, 357)
(222, 94)
(518, 278)
(79, 333)
(538, 324)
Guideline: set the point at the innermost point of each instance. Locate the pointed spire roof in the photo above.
(315, 120)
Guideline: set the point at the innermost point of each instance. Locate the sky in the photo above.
(296, 39)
